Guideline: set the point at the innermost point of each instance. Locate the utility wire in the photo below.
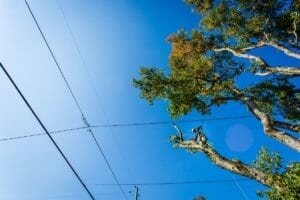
(75, 99)
(53, 56)
(239, 187)
(128, 125)
(175, 182)
(89, 76)
(46, 131)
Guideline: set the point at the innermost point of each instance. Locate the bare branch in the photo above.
(287, 126)
(289, 71)
(241, 54)
(235, 166)
(267, 70)
(285, 50)
(296, 17)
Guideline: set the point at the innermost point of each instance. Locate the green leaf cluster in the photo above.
(288, 180)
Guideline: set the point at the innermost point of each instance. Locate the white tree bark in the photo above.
(279, 47)
(267, 69)
(269, 128)
(235, 166)
(267, 122)
(284, 50)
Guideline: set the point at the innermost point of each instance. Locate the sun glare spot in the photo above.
(239, 138)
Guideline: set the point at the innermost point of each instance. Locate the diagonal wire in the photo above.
(75, 99)
(240, 187)
(47, 132)
(90, 78)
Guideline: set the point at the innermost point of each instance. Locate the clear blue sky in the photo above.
(115, 38)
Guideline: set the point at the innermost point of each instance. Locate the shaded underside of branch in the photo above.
(287, 126)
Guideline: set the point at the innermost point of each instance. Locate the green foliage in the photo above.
(201, 5)
(276, 95)
(249, 21)
(290, 185)
(152, 84)
(200, 77)
(288, 180)
(268, 162)
(193, 82)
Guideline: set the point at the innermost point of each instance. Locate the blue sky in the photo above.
(115, 38)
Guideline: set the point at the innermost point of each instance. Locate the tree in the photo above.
(205, 65)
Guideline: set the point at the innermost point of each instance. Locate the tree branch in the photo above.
(235, 166)
(282, 48)
(285, 50)
(241, 54)
(290, 71)
(268, 124)
(267, 69)
(287, 126)
(269, 128)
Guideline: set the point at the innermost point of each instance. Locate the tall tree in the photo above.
(205, 65)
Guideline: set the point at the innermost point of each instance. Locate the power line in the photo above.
(54, 58)
(46, 131)
(176, 183)
(239, 187)
(75, 99)
(90, 78)
(209, 181)
(134, 124)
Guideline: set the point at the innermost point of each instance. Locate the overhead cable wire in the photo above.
(209, 181)
(75, 99)
(239, 187)
(134, 124)
(46, 131)
(90, 78)
(154, 184)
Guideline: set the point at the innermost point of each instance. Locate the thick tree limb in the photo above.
(285, 50)
(266, 68)
(269, 128)
(279, 47)
(290, 71)
(235, 166)
(267, 122)
(287, 126)
(241, 54)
